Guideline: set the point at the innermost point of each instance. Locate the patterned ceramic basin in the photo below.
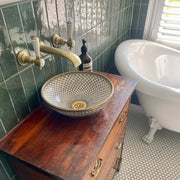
(77, 94)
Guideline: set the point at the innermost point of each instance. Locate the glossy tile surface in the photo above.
(17, 94)
(7, 60)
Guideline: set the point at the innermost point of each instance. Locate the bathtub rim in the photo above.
(144, 85)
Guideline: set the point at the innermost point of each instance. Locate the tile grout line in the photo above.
(3, 126)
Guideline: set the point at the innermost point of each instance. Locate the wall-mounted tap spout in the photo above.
(69, 55)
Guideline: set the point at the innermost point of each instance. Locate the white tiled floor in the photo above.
(158, 161)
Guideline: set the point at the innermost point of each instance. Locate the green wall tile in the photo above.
(28, 21)
(6, 165)
(15, 30)
(7, 113)
(142, 17)
(39, 78)
(145, 1)
(7, 60)
(16, 92)
(1, 75)
(95, 65)
(52, 17)
(58, 64)
(139, 17)
(2, 132)
(48, 69)
(30, 88)
(137, 1)
(62, 16)
(41, 20)
(3, 173)
(89, 14)
(135, 16)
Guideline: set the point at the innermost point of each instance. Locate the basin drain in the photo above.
(78, 105)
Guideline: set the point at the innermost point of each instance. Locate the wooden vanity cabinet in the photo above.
(47, 146)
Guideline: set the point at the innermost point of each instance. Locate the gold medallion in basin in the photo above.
(78, 105)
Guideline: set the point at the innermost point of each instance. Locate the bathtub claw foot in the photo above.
(154, 126)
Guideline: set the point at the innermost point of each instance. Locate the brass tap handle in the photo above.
(35, 44)
(69, 30)
(57, 40)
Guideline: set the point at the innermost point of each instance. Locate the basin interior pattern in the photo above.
(77, 91)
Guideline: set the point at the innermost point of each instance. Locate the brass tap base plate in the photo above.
(53, 40)
(78, 105)
(20, 58)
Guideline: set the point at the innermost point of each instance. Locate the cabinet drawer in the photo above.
(111, 164)
(111, 149)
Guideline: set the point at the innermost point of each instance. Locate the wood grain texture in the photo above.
(62, 147)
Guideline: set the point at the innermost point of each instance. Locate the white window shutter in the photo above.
(169, 27)
(164, 26)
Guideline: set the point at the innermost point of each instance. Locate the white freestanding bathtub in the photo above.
(157, 69)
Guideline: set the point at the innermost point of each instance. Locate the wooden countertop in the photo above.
(62, 147)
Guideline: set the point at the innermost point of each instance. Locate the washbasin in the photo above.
(77, 94)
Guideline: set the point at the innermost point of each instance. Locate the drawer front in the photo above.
(112, 163)
(111, 149)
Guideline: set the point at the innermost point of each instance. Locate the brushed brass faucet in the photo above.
(23, 57)
(69, 55)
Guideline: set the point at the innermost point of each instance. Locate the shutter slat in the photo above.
(171, 11)
(172, 4)
(169, 32)
(170, 25)
(166, 37)
(169, 18)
